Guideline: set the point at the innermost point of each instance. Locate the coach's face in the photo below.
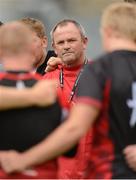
(69, 45)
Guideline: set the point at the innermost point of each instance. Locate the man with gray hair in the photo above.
(69, 42)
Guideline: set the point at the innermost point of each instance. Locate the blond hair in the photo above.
(121, 18)
(15, 38)
(35, 25)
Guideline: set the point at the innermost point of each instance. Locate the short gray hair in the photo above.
(65, 22)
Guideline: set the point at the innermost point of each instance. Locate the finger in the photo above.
(5, 165)
(2, 155)
(129, 148)
(130, 158)
(50, 68)
(50, 59)
(54, 61)
(132, 165)
(131, 162)
(130, 153)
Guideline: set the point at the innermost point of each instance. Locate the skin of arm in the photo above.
(42, 94)
(63, 138)
(12, 98)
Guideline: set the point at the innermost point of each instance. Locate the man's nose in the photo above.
(66, 45)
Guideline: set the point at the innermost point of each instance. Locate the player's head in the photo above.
(16, 49)
(15, 38)
(40, 38)
(119, 21)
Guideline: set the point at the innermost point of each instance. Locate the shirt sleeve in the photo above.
(90, 87)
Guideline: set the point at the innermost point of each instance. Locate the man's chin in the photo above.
(68, 58)
(69, 63)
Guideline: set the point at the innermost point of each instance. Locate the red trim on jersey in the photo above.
(20, 76)
(102, 152)
(2, 75)
(89, 101)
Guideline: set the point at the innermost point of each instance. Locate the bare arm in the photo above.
(12, 98)
(42, 94)
(63, 138)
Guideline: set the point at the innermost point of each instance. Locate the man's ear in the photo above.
(45, 41)
(110, 32)
(85, 42)
(54, 48)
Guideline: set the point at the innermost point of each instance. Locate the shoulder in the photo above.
(101, 63)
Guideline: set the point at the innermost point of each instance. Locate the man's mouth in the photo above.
(67, 53)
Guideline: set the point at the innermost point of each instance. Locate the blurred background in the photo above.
(87, 12)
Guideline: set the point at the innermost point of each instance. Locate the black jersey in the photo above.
(41, 68)
(24, 127)
(110, 84)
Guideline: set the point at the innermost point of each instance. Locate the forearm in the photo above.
(12, 98)
(63, 138)
(52, 146)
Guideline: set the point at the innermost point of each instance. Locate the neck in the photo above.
(121, 44)
(78, 62)
(41, 61)
(17, 63)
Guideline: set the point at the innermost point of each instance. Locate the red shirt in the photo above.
(71, 167)
(69, 75)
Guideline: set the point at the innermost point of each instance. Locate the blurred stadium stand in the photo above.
(87, 12)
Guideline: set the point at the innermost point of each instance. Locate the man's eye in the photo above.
(61, 42)
(72, 40)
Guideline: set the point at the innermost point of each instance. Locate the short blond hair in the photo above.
(121, 17)
(15, 38)
(35, 25)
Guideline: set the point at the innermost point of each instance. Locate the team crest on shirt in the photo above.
(132, 104)
(20, 84)
(65, 113)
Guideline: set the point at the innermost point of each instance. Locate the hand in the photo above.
(12, 161)
(53, 63)
(130, 156)
(44, 93)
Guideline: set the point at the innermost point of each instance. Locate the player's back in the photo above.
(115, 128)
(22, 128)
